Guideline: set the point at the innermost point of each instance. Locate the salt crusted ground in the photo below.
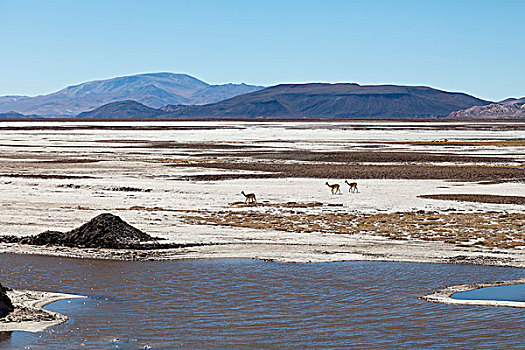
(29, 314)
(56, 176)
(445, 295)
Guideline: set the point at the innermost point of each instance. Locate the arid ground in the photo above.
(428, 191)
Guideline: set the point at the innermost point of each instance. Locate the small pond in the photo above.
(514, 292)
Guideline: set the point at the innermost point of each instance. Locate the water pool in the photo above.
(248, 304)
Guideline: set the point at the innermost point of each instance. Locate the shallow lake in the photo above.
(507, 293)
(249, 304)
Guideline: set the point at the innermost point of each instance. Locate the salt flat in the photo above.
(155, 175)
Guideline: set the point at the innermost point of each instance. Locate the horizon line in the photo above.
(261, 85)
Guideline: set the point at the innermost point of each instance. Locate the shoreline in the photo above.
(306, 248)
(29, 314)
(444, 296)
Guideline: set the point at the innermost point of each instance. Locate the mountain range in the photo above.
(315, 100)
(153, 90)
(336, 101)
(169, 95)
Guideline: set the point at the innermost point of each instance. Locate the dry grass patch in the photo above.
(490, 229)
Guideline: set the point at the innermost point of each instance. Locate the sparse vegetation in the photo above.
(489, 229)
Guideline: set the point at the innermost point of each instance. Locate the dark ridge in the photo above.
(15, 115)
(122, 109)
(104, 231)
(6, 306)
(321, 100)
(48, 176)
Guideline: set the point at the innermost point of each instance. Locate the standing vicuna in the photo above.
(250, 198)
(353, 186)
(335, 188)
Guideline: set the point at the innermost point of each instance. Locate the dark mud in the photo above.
(477, 198)
(376, 157)
(358, 171)
(114, 127)
(48, 176)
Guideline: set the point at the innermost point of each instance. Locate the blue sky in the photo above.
(470, 46)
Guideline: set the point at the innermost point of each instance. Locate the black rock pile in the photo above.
(6, 306)
(104, 231)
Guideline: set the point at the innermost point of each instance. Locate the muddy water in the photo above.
(248, 304)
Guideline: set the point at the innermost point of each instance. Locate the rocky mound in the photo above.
(5, 303)
(103, 231)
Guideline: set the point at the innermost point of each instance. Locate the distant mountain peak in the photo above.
(151, 89)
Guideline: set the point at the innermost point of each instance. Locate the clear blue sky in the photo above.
(471, 46)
